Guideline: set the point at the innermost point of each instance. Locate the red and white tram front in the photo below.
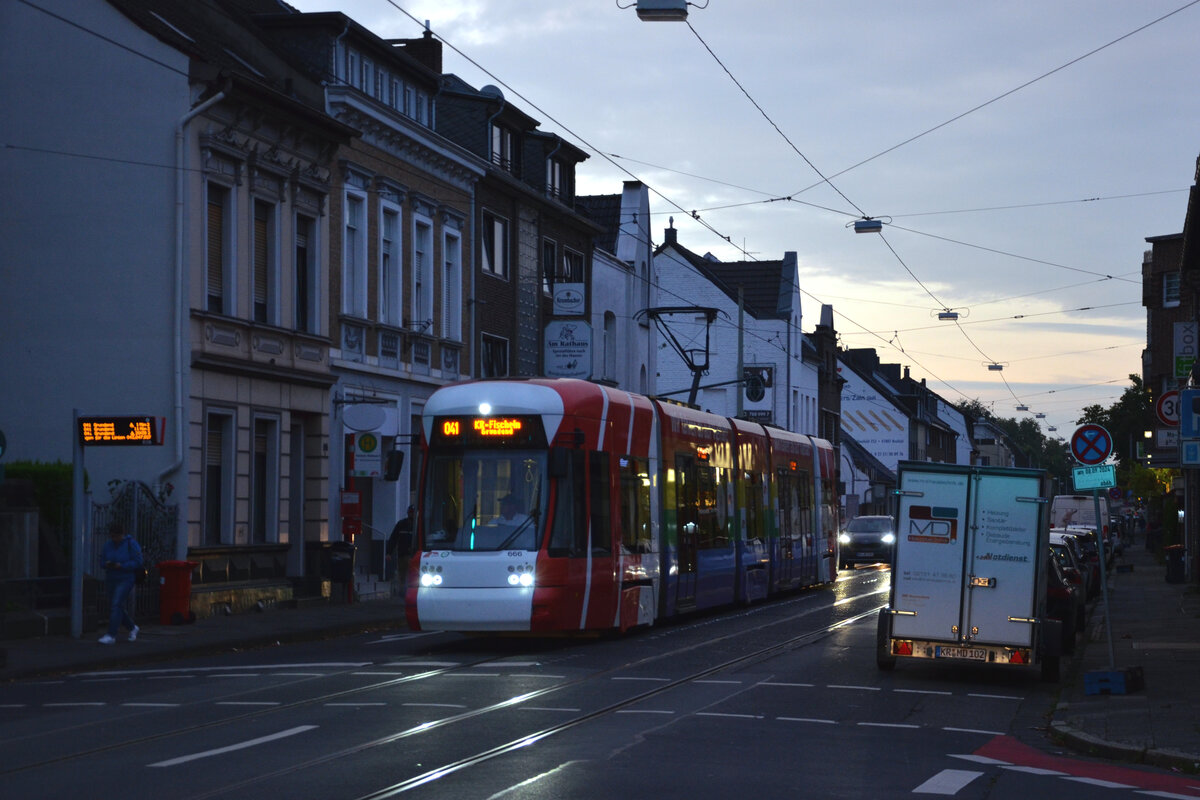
(516, 511)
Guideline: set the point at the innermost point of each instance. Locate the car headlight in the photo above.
(844, 538)
(888, 538)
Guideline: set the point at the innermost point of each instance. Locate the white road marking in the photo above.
(354, 705)
(420, 664)
(548, 708)
(734, 683)
(859, 688)
(536, 675)
(948, 781)
(1100, 783)
(886, 725)
(433, 705)
(973, 730)
(922, 691)
(247, 703)
(13, 705)
(299, 674)
(70, 705)
(730, 716)
(994, 696)
(169, 677)
(1033, 770)
(472, 675)
(978, 759)
(774, 683)
(231, 748)
(494, 664)
(808, 719)
(151, 705)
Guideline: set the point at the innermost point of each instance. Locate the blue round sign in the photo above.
(1091, 444)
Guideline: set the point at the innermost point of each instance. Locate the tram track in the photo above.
(527, 740)
(460, 764)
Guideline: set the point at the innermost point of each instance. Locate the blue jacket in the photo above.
(128, 555)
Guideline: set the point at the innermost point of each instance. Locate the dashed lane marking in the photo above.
(171, 762)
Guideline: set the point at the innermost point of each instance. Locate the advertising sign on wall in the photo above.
(568, 349)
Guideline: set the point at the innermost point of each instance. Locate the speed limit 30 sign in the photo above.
(1167, 408)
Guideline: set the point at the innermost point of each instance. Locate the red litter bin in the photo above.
(175, 592)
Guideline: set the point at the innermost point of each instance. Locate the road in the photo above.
(781, 699)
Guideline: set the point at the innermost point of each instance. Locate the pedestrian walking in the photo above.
(122, 558)
(399, 547)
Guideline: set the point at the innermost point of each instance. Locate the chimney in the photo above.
(426, 50)
(670, 233)
(826, 315)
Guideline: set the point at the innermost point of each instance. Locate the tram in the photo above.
(561, 505)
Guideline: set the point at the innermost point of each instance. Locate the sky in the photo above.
(1018, 155)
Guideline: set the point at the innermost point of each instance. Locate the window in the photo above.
(554, 178)
(266, 266)
(218, 250)
(306, 274)
(264, 482)
(354, 257)
(219, 455)
(572, 267)
(390, 307)
(495, 245)
(636, 533)
(452, 286)
(549, 265)
(493, 360)
(352, 74)
(610, 345)
(1170, 289)
(502, 148)
(422, 270)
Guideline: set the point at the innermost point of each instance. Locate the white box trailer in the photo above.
(969, 575)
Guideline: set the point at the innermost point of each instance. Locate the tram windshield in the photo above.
(485, 500)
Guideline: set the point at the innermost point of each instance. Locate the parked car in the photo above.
(867, 540)
(1086, 539)
(1070, 548)
(1075, 570)
(1064, 602)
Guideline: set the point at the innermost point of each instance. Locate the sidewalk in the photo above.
(1155, 625)
(49, 655)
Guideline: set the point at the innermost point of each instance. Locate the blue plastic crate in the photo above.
(1116, 681)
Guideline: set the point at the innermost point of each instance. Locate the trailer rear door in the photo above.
(931, 542)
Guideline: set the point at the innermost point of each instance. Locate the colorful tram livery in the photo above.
(563, 505)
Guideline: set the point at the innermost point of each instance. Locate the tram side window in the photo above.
(635, 505)
(787, 504)
(601, 503)
(569, 536)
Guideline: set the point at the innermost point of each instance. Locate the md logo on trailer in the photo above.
(932, 524)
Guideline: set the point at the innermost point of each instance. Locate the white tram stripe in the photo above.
(230, 748)
(948, 781)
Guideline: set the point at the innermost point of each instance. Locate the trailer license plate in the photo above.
(968, 653)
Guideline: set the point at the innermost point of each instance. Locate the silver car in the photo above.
(867, 540)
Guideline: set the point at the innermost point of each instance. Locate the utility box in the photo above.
(175, 592)
(969, 573)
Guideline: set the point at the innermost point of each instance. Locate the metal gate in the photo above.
(152, 522)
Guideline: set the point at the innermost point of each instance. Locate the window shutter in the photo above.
(260, 252)
(216, 246)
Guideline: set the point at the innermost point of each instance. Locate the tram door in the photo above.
(687, 516)
(785, 517)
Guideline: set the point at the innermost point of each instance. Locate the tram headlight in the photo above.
(431, 576)
(520, 575)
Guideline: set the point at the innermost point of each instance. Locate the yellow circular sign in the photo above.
(367, 442)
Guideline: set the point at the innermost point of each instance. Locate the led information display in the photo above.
(525, 431)
(116, 431)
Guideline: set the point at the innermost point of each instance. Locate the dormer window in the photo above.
(556, 179)
(502, 148)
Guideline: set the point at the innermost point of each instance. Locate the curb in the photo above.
(1093, 745)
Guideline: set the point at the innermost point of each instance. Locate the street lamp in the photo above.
(662, 10)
